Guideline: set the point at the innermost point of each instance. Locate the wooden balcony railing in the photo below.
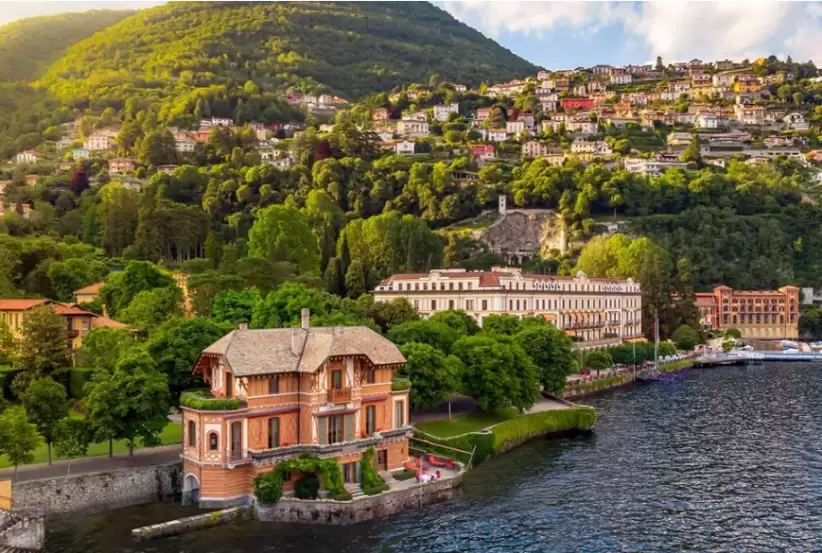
(343, 395)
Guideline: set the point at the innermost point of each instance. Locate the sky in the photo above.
(561, 35)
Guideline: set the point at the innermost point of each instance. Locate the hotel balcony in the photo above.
(584, 324)
(342, 395)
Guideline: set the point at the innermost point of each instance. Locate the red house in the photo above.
(577, 103)
(482, 114)
(482, 150)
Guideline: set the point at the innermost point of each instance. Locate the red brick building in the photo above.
(770, 314)
(325, 392)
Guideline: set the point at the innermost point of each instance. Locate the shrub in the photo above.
(341, 496)
(400, 384)
(307, 486)
(204, 401)
(372, 482)
(78, 377)
(404, 474)
(7, 374)
(268, 487)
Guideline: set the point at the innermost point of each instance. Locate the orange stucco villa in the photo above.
(325, 392)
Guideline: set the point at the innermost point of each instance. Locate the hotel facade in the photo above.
(326, 392)
(590, 309)
(769, 314)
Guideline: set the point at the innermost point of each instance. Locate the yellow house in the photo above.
(746, 87)
(78, 321)
(87, 293)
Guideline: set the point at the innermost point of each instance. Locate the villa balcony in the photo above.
(342, 395)
(204, 400)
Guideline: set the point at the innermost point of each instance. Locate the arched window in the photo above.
(212, 441)
(192, 434)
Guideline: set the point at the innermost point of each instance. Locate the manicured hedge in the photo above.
(489, 443)
(204, 401)
(78, 377)
(372, 482)
(400, 384)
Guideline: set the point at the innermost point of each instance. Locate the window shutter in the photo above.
(322, 423)
(349, 428)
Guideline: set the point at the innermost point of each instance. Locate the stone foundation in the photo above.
(196, 522)
(99, 491)
(349, 512)
(22, 530)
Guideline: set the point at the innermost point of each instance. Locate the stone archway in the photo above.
(191, 489)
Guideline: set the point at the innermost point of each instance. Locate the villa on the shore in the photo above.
(276, 394)
(591, 310)
(769, 314)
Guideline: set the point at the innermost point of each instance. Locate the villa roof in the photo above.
(90, 289)
(20, 305)
(267, 351)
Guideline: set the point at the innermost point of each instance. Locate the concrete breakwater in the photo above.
(577, 389)
(196, 522)
(99, 491)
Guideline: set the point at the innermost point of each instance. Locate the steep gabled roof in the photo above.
(276, 350)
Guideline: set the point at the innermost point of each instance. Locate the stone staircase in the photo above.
(388, 477)
(354, 489)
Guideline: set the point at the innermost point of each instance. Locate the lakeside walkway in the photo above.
(103, 463)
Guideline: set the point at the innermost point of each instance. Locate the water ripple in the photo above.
(724, 461)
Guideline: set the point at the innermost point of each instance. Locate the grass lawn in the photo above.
(172, 434)
(466, 423)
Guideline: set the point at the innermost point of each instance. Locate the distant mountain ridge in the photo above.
(350, 49)
(29, 46)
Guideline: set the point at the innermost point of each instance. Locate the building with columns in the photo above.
(769, 314)
(325, 392)
(590, 309)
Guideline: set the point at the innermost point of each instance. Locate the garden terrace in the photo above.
(203, 400)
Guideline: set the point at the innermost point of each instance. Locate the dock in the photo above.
(754, 357)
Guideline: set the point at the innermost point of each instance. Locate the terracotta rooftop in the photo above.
(20, 305)
(69, 309)
(267, 351)
(90, 289)
(100, 321)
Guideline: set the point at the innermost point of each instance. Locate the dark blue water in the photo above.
(726, 460)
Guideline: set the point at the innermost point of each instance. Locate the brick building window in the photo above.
(273, 432)
(212, 441)
(192, 434)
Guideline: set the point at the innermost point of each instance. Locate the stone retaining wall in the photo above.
(349, 512)
(20, 530)
(99, 491)
(196, 522)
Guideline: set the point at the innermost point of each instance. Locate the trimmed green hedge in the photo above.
(372, 482)
(404, 474)
(78, 377)
(491, 442)
(400, 384)
(268, 487)
(204, 401)
(678, 366)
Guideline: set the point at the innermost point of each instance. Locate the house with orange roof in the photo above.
(14, 311)
(87, 294)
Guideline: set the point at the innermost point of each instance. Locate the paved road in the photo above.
(142, 458)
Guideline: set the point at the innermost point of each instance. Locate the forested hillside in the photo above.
(28, 46)
(348, 49)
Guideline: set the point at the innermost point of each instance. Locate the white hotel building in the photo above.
(592, 309)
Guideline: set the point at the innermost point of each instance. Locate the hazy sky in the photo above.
(568, 34)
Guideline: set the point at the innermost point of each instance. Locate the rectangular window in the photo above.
(192, 434)
(399, 414)
(459, 286)
(450, 285)
(350, 472)
(286, 475)
(433, 305)
(371, 375)
(336, 379)
(370, 419)
(485, 305)
(416, 286)
(273, 432)
(425, 286)
(85, 324)
(416, 304)
(336, 429)
(469, 305)
(229, 386)
(274, 384)
(470, 285)
(450, 304)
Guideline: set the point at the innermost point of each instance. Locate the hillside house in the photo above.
(442, 111)
(497, 135)
(795, 122)
(26, 156)
(121, 165)
(100, 140)
(570, 104)
(412, 128)
(404, 147)
(379, 114)
(482, 151)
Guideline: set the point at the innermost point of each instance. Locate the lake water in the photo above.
(725, 460)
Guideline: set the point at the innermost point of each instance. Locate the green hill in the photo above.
(28, 46)
(350, 49)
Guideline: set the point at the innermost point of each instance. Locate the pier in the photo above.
(747, 357)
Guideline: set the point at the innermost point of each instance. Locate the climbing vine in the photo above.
(268, 487)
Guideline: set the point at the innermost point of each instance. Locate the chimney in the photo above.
(306, 316)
